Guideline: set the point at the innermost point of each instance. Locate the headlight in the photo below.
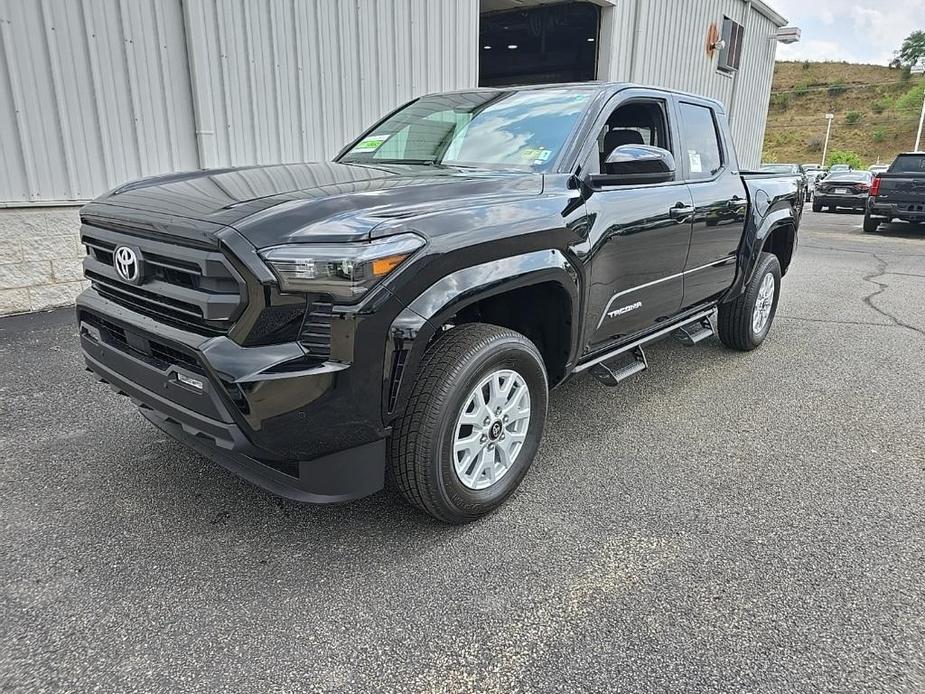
(346, 271)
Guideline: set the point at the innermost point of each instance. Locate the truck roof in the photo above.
(594, 85)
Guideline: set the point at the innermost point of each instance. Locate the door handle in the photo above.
(681, 211)
(737, 203)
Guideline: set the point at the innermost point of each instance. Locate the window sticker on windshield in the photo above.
(694, 158)
(369, 144)
(535, 155)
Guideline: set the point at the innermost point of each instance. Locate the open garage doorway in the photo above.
(537, 44)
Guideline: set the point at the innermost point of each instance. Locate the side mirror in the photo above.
(636, 165)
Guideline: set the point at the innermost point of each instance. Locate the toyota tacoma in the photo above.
(401, 312)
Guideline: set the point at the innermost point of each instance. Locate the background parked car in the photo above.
(839, 168)
(843, 189)
(814, 174)
(878, 168)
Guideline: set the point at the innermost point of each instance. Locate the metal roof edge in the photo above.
(769, 12)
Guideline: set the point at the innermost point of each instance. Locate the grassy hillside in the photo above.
(876, 111)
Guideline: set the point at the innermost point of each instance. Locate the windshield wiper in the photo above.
(418, 162)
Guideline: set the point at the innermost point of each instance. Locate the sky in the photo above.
(858, 31)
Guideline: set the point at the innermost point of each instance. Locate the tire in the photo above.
(736, 319)
(871, 224)
(423, 460)
(817, 206)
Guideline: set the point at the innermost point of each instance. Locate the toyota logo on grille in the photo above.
(127, 264)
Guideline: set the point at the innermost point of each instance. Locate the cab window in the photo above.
(703, 155)
(636, 123)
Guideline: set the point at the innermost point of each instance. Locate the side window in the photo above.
(702, 151)
(730, 57)
(636, 123)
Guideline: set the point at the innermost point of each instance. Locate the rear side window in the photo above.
(909, 163)
(702, 154)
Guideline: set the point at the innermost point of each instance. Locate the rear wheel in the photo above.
(871, 224)
(473, 423)
(744, 323)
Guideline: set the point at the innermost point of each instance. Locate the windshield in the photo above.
(519, 129)
(909, 163)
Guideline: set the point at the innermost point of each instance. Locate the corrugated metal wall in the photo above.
(663, 43)
(97, 92)
(92, 93)
(295, 80)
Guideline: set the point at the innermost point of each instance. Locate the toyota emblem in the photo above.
(127, 264)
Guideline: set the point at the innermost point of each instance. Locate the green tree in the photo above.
(913, 48)
(844, 156)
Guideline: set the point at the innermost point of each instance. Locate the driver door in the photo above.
(639, 233)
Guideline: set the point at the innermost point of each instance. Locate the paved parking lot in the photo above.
(723, 522)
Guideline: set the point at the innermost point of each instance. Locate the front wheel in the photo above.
(472, 424)
(817, 206)
(745, 322)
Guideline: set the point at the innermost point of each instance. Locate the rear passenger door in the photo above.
(720, 205)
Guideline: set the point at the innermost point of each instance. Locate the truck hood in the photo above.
(291, 203)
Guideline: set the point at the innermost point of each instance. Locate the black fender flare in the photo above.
(757, 231)
(413, 329)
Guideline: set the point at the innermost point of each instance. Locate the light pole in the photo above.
(828, 131)
(918, 138)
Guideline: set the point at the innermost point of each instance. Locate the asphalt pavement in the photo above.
(723, 522)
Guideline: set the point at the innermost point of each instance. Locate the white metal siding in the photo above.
(92, 93)
(295, 80)
(97, 92)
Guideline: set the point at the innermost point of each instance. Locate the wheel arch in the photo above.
(490, 292)
(775, 232)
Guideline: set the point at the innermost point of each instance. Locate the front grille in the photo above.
(190, 288)
(149, 350)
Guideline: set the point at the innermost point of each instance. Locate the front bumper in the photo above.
(302, 434)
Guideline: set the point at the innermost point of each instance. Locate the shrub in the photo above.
(801, 89)
(806, 65)
(781, 100)
(879, 135)
(844, 156)
(814, 143)
(853, 117)
(881, 104)
(837, 89)
(906, 73)
(912, 99)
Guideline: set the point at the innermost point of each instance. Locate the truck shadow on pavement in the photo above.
(206, 499)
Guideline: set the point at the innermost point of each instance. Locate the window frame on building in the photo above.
(733, 38)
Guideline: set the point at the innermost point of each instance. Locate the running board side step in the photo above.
(612, 376)
(652, 337)
(696, 331)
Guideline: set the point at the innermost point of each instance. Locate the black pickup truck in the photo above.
(897, 193)
(402, 312)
